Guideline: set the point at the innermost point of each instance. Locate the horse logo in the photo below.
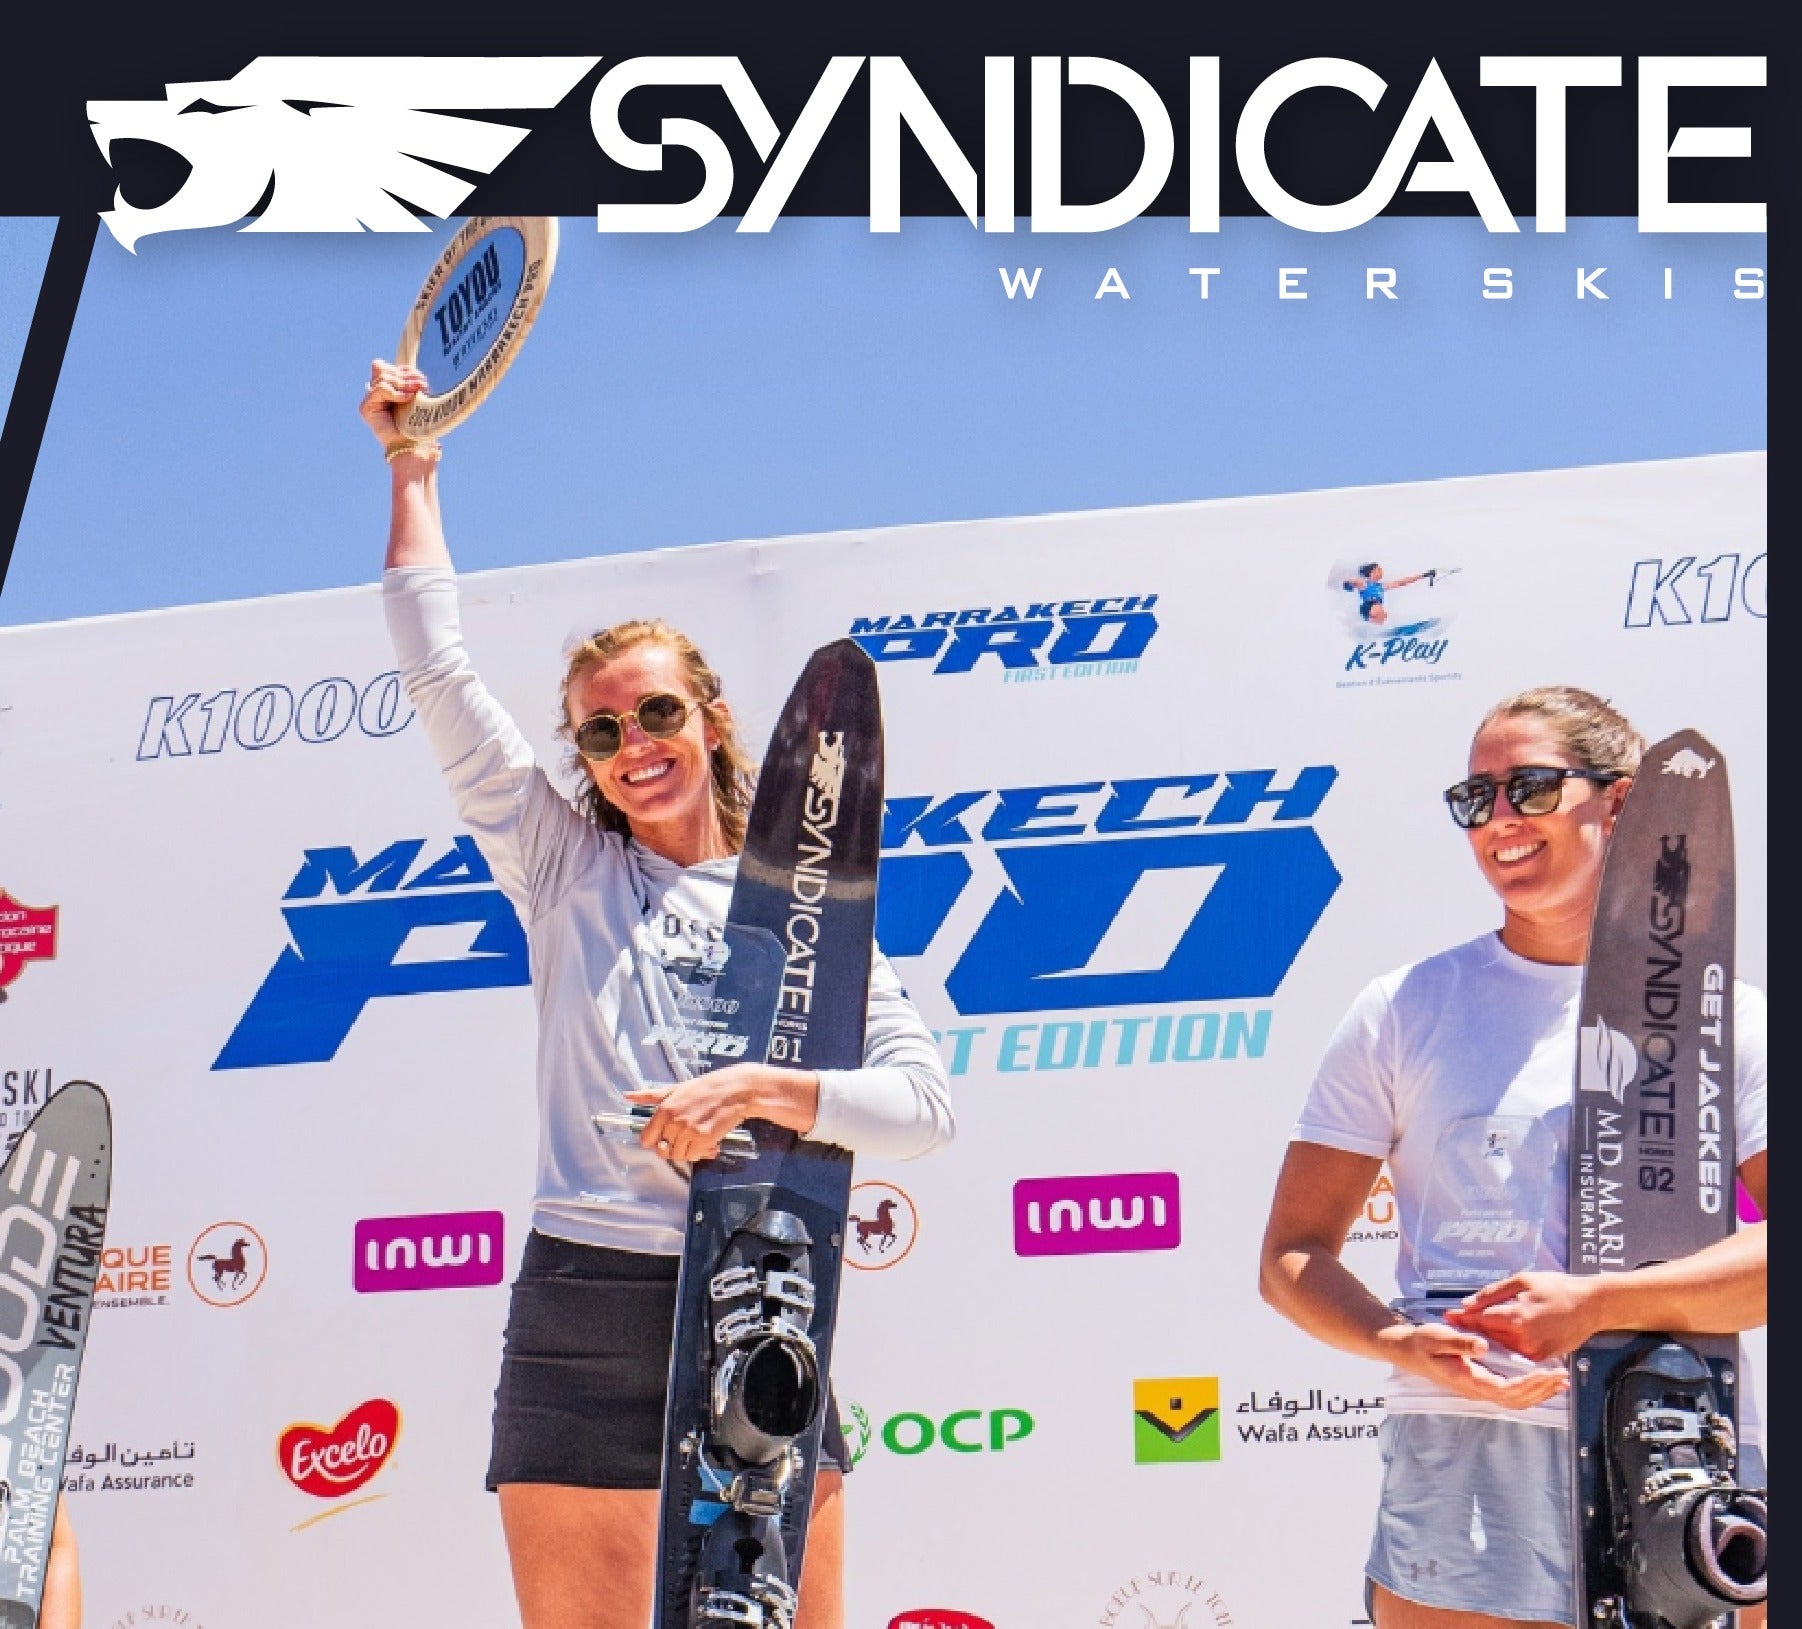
(883, 1225)
(227, 1264)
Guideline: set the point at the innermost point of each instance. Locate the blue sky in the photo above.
(707, 386)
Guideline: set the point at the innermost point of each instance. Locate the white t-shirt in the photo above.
(600, 915)
(1450, 1056)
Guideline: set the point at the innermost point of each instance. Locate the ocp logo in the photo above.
(963, 1432)
(1176, 1421)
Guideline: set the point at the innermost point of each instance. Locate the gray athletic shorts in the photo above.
(1475, 1515)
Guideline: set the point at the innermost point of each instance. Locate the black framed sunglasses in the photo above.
(660, 715)
(1531, 789)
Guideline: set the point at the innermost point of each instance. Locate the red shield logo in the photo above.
(27, 934)
(329, 1462)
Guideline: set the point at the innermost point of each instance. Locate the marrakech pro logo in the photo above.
(455, 1250)
(331, 1461)
(1176, 1421)
(1093, 1215)
(27, 934)
(1034, 639)
(812, 879)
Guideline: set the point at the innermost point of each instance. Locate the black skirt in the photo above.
(585, 1370)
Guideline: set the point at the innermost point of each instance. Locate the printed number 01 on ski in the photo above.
(1665, 1537)
(54, 1191)
(757, 1297)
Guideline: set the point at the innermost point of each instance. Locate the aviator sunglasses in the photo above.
(1531, 789)
(660, 715)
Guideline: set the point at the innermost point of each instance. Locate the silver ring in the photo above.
(663, 1145)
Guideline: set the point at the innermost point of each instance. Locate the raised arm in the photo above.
(415, 527)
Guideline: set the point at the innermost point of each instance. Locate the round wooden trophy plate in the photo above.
(473, 313)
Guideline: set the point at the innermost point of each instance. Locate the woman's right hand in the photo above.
(390, 386)
(1452, 1359)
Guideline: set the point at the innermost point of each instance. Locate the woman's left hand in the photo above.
(1540, 1315)
(693, 1118)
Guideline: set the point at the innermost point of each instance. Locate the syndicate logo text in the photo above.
(1031, 639)
(1094, 1215)
(452, 1250)
(336, 143)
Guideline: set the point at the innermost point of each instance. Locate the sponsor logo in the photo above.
(964, 1431)
(937, 1617)
(1688, 763)
(1176, 1422)
(1679, 593)
(227, 1264)
(331, 1461)
(1172, 1598)
(27, 934)
(1606, 1060)
(1166, 890)
(115, 1467)
(197, 726)
(365, 929)
(1030, 639)
(857, 1432)
(135, 1275)
(1378, 1221)
(452, 1250)
(162, 1613)
(22, 1093)
(1092, 1215)
(1276, 1421)
(883, 1226)
(1396, 610)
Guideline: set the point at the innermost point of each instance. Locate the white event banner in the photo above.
(1163, 795)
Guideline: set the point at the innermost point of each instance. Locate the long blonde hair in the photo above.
(734, 773)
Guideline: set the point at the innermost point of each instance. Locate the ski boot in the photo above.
(1690, 1541)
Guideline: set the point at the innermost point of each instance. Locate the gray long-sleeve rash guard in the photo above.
(596, 910)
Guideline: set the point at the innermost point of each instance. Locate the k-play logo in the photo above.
(1176, 1421)
(453, 1250)
(1092, 1215)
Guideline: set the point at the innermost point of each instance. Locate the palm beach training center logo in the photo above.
(883, 1225)
(27, 934)
(1396, 607)
(227, 1264)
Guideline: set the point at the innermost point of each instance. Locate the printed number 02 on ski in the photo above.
(757, 1296)
(54, 1191)
(1665, 1538)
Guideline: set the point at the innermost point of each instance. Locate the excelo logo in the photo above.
(329, 1462)
(454, 1250)
(1176, 1421)
(1093, 1215)
(962, 1432)
(938, 1617)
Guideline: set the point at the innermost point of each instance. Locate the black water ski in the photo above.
(758, 1293)
(54, 1191)
(1663, 1539)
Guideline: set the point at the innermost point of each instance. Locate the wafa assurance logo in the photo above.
(332, 1461)
(27, 934)
(1176, 1422)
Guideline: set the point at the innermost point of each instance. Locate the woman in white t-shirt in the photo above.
(1475, 1043)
